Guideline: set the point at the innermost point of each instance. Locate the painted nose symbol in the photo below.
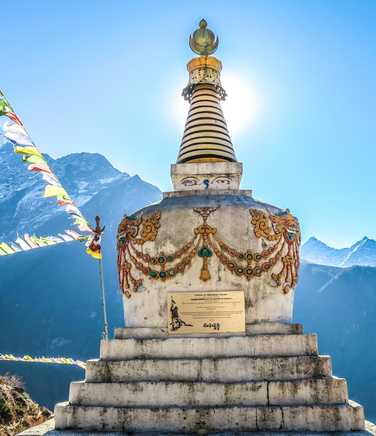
(206, 183)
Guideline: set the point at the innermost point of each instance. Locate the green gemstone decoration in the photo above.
(170, 258)
(205, 252)
(153, 274)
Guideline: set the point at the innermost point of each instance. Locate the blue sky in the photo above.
(107, 76)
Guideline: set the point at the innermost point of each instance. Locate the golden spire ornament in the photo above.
(206, 137)
(203, 41)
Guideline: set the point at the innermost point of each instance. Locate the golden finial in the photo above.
(203, 41)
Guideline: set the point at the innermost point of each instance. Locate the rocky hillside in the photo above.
(17, 410)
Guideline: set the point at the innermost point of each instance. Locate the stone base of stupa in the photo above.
(272, 379)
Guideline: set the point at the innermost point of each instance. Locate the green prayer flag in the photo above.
(32, 159)
(5, 107)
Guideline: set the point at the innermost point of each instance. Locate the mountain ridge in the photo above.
(362, 252)
(84, 176)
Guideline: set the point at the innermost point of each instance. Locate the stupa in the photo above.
(208, 276)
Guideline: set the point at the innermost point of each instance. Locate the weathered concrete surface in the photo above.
(264, 302)
(197, 420)
(177, 347)
(235, 369)
(256, 382)
(199, 394)
(48, 429)
(251, 329)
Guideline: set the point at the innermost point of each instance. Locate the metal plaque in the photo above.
(206, 312)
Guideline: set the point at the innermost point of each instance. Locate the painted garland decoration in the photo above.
(279, 233)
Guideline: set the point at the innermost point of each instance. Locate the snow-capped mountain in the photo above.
(85, 176)
(362, 253)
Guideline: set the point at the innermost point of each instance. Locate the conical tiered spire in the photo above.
(205, 138)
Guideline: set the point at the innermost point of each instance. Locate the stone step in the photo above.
(183, 347)
(227, 369)
(327, 390)
(317, 418)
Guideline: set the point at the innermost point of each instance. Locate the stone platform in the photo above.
(48, 428)
(271, 379)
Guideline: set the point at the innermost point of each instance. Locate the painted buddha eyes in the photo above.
(194, 181)
(190, 181)
(222, 180)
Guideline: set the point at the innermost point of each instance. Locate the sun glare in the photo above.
(240, 107)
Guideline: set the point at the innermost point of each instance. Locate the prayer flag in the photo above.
(40, 168)
(17, 134)
(23, 244)
(56, 239)
(72, 210)
(7, 110)
(32, 151)
(66, 237)
(47, 240)
(30, 241)
(55, 191)
(62, 201)
(38, 241)
(33, 159)
(14, 131)
(94, 247)
(51, 180)
(5, 247)
(82, 224)
(73, 234)
(15, 247)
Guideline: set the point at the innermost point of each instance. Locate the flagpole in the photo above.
(95, 250)
(103, 299)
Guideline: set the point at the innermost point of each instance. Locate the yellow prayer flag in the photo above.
(32, 151)
(95, 254)
(5, 247)
(55, 191)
